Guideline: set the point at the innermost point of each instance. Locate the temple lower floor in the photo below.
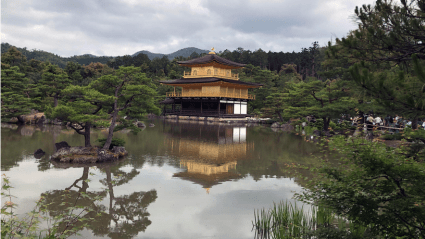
(206, 107)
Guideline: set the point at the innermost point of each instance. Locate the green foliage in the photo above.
(395, 136)
(318, 124)
(13, 84)
(83, 108)
(40, 55)
(374, 186)
(344, 125)
(133, 94)
(53, 81)
(115, 142)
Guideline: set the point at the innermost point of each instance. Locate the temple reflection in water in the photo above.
(210, 153)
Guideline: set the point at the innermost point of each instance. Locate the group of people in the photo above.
(396, 122)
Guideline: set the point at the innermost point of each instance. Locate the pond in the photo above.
(180, 179)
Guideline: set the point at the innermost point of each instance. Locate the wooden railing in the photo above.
(200, 94)
(203, 74)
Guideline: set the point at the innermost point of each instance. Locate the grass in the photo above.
(286, 220)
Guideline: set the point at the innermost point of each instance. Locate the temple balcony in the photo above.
(208, 73)
(236, 95)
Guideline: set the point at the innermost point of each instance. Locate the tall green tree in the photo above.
(84, 108)
(389, 55)
(52, 82)
(377, 186)
(14, 101)
(388, 32)
(133, 95)
(73, 70)
(326, 100)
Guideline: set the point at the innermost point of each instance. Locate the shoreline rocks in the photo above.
(39, 153)
(88, 155)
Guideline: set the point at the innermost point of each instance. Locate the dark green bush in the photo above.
(395, 136)
(318, 124)
(115, 142)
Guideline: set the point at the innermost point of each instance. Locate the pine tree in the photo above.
(53, 81)
(83, 109)
(133, 95)
(14, 101)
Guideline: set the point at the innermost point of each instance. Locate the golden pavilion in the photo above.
(210, 89)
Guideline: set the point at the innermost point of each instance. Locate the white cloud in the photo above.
(124, 27)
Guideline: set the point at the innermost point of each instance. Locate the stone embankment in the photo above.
(34, 118)
(286, 127)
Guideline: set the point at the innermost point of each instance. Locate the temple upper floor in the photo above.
(211, 71)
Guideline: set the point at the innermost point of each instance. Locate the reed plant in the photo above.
(286, 220)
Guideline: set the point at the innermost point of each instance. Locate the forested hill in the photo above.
(88, 58)
(185, 52)
(55, 59)
(307, 62)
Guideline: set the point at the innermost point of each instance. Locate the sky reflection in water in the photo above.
(188, 180)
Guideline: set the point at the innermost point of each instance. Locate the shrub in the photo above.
(319, 124)
(115, 142)
(395, 136)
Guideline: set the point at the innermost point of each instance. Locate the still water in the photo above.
(180, 179)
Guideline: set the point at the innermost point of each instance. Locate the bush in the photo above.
(319, 124)
(395, 136)
(373, 185)
(333, 125)
(115, 142)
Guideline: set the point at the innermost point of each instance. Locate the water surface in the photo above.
(180, 179)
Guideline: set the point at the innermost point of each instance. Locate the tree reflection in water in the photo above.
(126, 215)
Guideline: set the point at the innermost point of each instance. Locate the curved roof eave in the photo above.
(208, 80)
(209, 58)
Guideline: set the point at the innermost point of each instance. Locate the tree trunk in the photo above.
(280, 116)
(111, 130)
(326, 123)
(55, 98)
(415, 123)
(87, 134)
(112, 126)
(360, 122)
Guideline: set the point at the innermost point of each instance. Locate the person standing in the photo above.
(391, 123)
(378, 121)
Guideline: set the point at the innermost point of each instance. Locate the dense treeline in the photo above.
(307, 61)
(271, 69)
(41, 55)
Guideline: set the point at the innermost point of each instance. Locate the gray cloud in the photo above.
(123, 27)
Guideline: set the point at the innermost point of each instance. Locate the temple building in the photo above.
(210, 89)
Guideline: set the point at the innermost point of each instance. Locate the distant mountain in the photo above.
(86, 59)
(41, 55)
(185, 52)
(149, 54)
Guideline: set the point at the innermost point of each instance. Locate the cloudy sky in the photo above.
(119, 27)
